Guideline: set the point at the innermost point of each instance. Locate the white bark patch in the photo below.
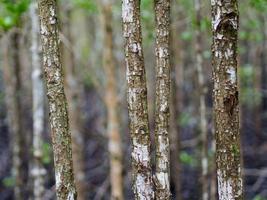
(217, 20)
(43, 30)
(71, 195)
(143, 187)
(225, 188)
(127, 11)
(212, 2)
(163, 179)
(232, 74)
(163, 52)
(58, 179)
(140, 153)
(136, 48)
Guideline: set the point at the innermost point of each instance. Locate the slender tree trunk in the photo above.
(225, 96)
(202, 104)
(13, 88)
(38, 171)
(73, 92)
(257, 114)
(162, 15)
(137, 101)
(58, 114)
(115, 149)
(177, 99)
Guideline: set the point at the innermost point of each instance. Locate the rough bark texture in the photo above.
(202, 104)
(73, 92)
(115, 147)
(13, 88)
(225, 94)
(38, 171)
(162, 15)
(58, 114)
(137, 101)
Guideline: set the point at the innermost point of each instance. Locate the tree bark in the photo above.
(225, 97)
(111, 101)
(137, 101)
(162, 174)
(58, 114)
(202, 104)
(38, 170)
(13, 88)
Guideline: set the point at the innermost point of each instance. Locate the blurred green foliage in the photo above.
(47, 153)
(88, 5)
(249, 96)
(9, 181)
(260, 5)
(259, 197)
(184, 119)
(11, 11)
(188, 159)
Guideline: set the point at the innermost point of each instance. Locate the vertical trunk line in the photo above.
(137, 101)
(162, 51)
(38, 171)
(58, 114)
(225, 97)
(113, 126)
(202, 104)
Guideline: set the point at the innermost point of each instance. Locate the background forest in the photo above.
(92, 55)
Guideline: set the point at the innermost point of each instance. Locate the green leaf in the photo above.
(9, 181)
(187, 159)
(187, 35)
(88, 5)
(258, 197)
(47, 151)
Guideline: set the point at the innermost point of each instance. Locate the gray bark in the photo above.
(162, 176)
(58, 114)
(225, 97)
(137, 101)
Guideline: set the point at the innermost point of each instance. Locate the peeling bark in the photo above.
(111, 101)
(137, 101)
(58, 114)
(38, 171)
(162, 51)
(225, 98)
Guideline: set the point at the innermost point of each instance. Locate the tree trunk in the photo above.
(115, 147)
(162, 15)
(202, 104)
(38, 170)
(13, 88)
(73, 92)
(58, 114)
(176, 97)
(137, 101)
(225, 97)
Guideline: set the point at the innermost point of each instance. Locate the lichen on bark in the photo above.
(225, 96)
(137, 101)
(58, 114)
(162, 113)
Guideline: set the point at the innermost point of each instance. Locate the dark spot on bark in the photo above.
(227, 27)
(230, 103)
